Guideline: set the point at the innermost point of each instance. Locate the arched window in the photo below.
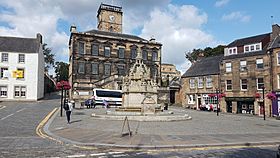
(111, 29)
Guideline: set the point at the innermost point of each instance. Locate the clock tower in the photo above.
(109, 18)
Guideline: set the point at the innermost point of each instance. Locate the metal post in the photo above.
(61, 102)
(263, 104)
(217, 95)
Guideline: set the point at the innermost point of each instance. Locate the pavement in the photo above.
(204, 130)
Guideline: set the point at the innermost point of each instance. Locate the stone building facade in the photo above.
(169, 71)
(100, 58)
(274, 51)
(248, 65)
(199, 82)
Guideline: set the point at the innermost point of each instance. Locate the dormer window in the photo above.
(253, 47)
(232, 50)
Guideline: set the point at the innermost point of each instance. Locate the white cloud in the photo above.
(221, 3)
(238, 16)
(179, 29)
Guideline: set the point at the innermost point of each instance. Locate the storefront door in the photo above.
(229, 106)
(261, 108)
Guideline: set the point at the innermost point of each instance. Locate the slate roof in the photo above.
(275, 43)
(206, 66)
(16, 44)
(113, 34)
(248, 40)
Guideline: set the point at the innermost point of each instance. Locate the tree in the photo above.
(49, 57)
(206, 52)
(61, 71)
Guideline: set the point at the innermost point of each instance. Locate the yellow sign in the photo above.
(17, 74)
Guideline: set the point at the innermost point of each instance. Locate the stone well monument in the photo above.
(139, 90)
(140, 94)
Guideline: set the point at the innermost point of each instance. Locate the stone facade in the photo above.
(200, 82)
(102, 58)
(109, 18)
(194, 96)
(240, 98)
(169, 71)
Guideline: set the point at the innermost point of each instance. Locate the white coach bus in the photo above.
(113, 97)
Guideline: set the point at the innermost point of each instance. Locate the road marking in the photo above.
(121, 155)
(98, 154)
(39, 128)
(116, 152)
(2, 107)
(21, 110)
(73, 156)
(6, 116)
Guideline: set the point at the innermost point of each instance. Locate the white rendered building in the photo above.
(21, 68)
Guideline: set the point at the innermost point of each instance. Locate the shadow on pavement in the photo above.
(75, 121)
(51, 96)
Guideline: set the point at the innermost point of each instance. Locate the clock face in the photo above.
(112, 18)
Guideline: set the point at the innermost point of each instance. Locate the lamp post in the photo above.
(263, 103)
(62, 85)
(61, 102)
(217, 95)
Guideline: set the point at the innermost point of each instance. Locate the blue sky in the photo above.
(180, 25)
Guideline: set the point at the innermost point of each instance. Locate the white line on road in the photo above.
(21, 110)
(2, 107)
(73, 156)
(98, 154)
(6, 116)
(121, 155)
(116, 152)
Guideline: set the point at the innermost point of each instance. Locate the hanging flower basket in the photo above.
(63, 84)
(257, 95)
(271, 96)
(220, 95)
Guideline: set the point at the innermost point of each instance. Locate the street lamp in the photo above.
(62, 85)
(263, 103)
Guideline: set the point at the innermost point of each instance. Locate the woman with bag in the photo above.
(68, 107)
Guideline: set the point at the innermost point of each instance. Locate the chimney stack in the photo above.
(275, 31)
(39, 38)
(73, 29)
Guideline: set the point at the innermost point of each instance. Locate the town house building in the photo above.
(100, 58)
(274, 50)
(245, 71)
(21, 68)
(199, 82)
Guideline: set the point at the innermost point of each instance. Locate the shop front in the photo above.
(240, 105)
(276, 105)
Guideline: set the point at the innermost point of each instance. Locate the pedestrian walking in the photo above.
(68, 107)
